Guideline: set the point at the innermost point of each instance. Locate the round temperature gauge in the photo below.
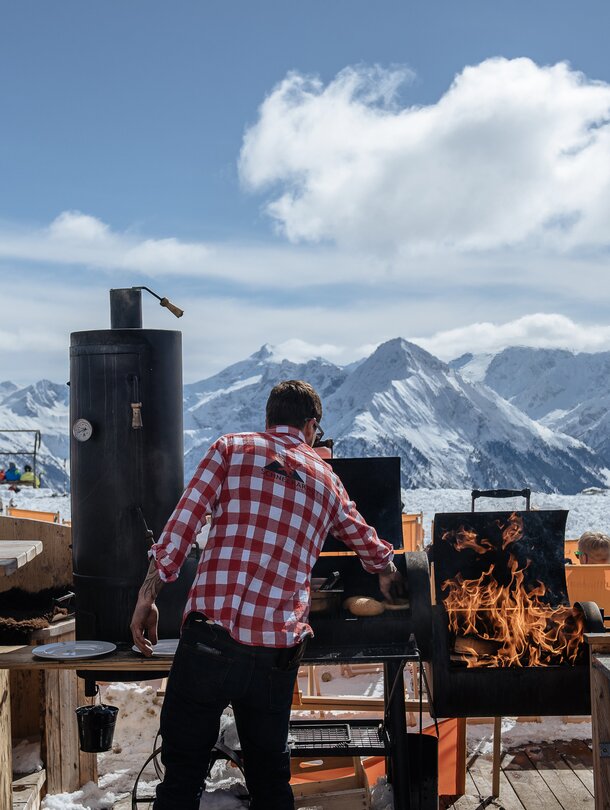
(82, 430)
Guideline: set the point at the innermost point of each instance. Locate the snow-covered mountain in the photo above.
(449, 428)
(43, 406)
(403, 401)
(566, 391)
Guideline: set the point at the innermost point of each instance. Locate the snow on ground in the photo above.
(41, 500)
(138, 723)
(586, 511)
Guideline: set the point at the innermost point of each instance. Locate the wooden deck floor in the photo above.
(548, 776)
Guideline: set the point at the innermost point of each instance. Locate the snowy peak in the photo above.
(7, 387)
(404, 401)
(566, 391)
(30, 400)
(472, 367)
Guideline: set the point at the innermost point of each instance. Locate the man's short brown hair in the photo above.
(596, 546)
(293, 402)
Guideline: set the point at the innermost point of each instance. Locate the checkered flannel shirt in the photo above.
(273, 501)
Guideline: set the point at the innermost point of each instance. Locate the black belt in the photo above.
(197, 627)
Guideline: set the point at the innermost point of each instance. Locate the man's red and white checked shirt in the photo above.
(273, 501)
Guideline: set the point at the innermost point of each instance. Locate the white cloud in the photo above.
(72, 226)
(513, 154)
(541, 330)
(81, 239)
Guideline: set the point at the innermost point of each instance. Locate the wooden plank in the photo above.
(469, 801)
(87, 762)
(460, 755)
(600, 721)
(55, 629)
(26, 699)
(480, 768)
(51, 740)
(579, 757)
(60, 731)
(26, 791)
(50, 569)
(532, 791)
(20, 657)
(497, 754)
(566, 786)
(68, 732)
(15, 554)
(6, 754)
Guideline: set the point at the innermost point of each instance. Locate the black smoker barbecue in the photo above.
(506, 641)
(389, 638)
(127, 462)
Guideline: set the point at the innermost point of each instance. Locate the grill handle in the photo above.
(502, 493)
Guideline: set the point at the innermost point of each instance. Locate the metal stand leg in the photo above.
(396, 723)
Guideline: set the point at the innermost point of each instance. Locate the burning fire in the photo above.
(507, 625)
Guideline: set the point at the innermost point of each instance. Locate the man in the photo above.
(593, 549)
(273, 501)
(12, 474)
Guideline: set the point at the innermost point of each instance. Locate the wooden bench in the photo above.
(32, 514)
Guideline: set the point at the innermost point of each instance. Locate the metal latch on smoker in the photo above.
(604, 749)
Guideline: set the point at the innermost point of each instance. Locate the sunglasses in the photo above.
(319, 431)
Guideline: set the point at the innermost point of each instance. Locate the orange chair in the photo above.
(413, 532)
(589, 583)
(571, 547)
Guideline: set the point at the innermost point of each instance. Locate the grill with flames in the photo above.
(506, 640)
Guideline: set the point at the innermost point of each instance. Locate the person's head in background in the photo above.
(594, 548)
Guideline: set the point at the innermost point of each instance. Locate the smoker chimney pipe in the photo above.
(126, 308)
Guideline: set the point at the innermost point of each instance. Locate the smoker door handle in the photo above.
(502, 493)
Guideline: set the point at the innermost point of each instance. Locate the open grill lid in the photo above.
(469, 543)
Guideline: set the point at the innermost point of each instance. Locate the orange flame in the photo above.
(463, 538)
(508, 625)
(513, 531)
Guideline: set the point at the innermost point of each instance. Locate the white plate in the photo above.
(164, 648)
(69, 650)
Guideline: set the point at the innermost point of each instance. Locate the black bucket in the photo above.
(96, 727)
(422, 750)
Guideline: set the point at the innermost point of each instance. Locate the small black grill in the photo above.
(391, 638)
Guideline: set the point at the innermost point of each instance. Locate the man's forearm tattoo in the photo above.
(152, 583)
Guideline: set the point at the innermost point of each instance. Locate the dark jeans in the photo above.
(211, 670)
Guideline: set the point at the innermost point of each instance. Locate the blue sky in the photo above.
(370, 196)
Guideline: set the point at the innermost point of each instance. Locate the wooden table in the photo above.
(15, 554)
(20, 657)
(62, 753)
(599, 652)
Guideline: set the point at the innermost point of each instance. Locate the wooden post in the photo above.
(461, 756)
(599, 656)
(6, 754)
(496, 758)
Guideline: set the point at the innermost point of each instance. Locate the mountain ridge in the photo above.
(449, 426)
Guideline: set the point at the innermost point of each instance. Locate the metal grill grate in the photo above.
(312, 735)
(347, 738)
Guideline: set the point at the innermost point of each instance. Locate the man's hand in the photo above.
(391, 583)
(144, 623)
(145, 619)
